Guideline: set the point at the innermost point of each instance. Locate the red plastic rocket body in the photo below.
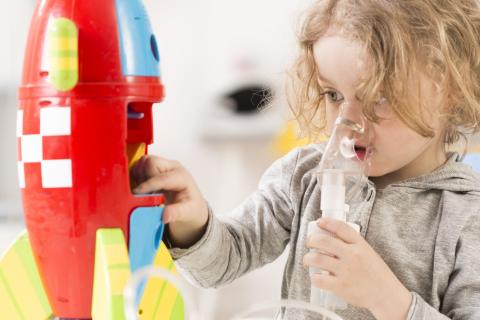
(88, 64)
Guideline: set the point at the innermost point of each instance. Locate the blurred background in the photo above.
(208, 49)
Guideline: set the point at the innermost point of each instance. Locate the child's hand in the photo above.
(357, 273)
(186, 209)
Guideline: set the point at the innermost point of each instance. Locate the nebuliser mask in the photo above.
(343, 175)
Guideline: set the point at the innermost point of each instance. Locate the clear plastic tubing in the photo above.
(191, 312)
(292, 304)
(130, 291)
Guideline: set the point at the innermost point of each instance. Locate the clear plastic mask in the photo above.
(346, 158)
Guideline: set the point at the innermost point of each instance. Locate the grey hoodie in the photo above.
(427, 229)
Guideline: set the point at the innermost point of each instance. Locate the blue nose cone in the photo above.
(138, 45)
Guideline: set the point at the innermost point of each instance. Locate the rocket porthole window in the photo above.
(154, 46)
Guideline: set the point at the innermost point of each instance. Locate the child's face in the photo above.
(399, 152)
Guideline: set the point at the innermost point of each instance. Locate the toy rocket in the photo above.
(91, 75)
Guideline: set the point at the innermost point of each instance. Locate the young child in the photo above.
(413, 69)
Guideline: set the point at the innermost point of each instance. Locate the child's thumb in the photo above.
(174, 212)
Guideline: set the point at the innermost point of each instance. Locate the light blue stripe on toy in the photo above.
(138, 45)
(146, 232)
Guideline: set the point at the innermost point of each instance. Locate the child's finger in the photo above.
(180, 211)
(323, 281)
(168, 181)
(323, 262)
(154, 165)
(149, 166)
(174, 212)
(340, 229)
(327, 244)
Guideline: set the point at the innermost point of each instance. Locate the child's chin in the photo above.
(376, 172)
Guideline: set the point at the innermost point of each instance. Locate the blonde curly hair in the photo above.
(439, 37)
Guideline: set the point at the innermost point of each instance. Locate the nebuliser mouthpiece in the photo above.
(343, 173)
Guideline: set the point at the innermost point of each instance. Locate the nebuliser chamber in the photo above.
(342, 173)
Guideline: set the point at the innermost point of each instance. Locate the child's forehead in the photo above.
(340, 59)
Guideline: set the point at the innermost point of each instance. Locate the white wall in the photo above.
(14, 23)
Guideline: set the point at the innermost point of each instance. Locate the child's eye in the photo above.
(383, 109)
(333, 96)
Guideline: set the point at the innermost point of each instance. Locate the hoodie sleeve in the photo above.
(254, 234)
(461, 300)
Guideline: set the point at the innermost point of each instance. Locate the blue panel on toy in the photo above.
(473, 160)
(138, 46)
(146, 232)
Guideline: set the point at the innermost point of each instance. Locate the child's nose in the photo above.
(352, 113)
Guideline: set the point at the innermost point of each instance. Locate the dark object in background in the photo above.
(248, 99)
